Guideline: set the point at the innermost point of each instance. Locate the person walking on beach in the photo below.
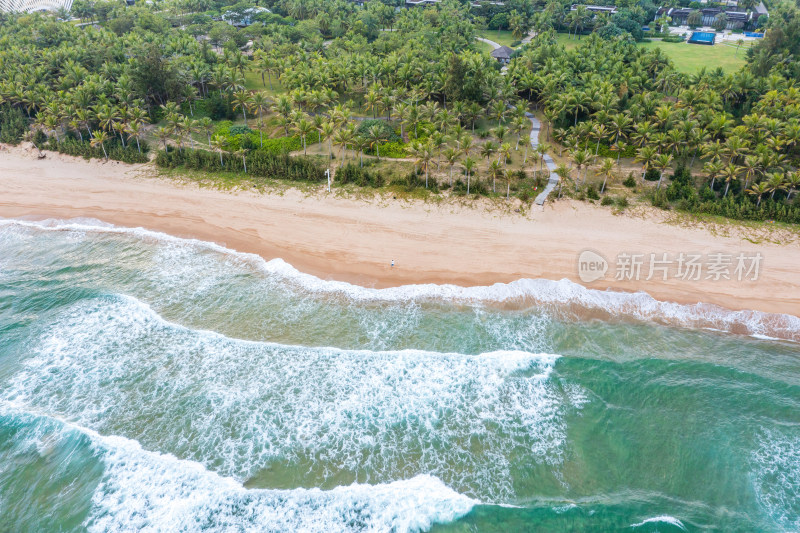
(392, 262)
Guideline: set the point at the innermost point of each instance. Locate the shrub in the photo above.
(591, 193)
(260, 163)
(13, 124)
(607, 200)
(352, 173)
(114, 148)
(652, 175)
(630, 181)
(606, 151)
(392, 149)
(622, 202)
(385, 128)
(217, 106)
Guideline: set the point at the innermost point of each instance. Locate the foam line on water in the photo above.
(664, 519)
(149, 491)
(562, 293)
(114, 365)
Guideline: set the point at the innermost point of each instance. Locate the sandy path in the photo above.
(355, 240)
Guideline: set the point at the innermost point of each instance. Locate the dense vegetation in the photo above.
(347, 83)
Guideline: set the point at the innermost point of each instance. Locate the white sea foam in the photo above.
(664, 519)
(239, 407)
(776, 477)
(562, 294)
(148, 491)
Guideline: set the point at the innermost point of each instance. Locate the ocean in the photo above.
(151, 383)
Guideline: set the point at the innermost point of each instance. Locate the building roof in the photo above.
(504, 52)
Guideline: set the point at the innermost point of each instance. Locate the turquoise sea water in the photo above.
(149, 383)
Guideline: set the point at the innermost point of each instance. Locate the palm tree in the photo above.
(423, 153)
(662, 163)
(759, 189)
(100, 137)
(469, 166)
(242, 100)
(775, 183)
(730, 173)
(219, 143)
(713, 169)
(376, 136)
(472, 112)
(792, 183)
(259, 103)
(519, 125)
(241, 152)
(136, 131)
(607, 170)
(488, 149)
(581, 159)
(326, 133)
(495, 171)
(647, 156)
(451, 156)
(562, 171)
(304, 127)
(542, 150)
(163, 135)
(206, 125)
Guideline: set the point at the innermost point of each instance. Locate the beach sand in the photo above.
(355, 240)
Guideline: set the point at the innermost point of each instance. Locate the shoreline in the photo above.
(355, 240)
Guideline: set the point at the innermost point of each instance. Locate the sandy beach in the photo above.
(355, 240)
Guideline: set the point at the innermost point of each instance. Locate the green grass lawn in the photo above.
(568, 42)
(484, 48)
(503, 38)
(690, 58)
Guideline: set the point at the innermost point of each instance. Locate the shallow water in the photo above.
(153, 383)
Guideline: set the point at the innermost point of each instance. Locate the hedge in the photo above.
(260, 163)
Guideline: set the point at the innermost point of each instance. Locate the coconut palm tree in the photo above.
(581, 158)
(219, 143)
(207, 126)
(488, 149)
(469, 166)
(562, 171)
(326, 131)
(730, 173)
(792, 183)
(760, 189)
(607, 171)
(376, 136)
(662, 163)
(713, 169)
(260, 103)
(495, 171)
(646, 155)
(136, 131)
(304, 127)
(451, 156)
(242, 100)
(100, 137)
(775, 183)
(423, 153)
